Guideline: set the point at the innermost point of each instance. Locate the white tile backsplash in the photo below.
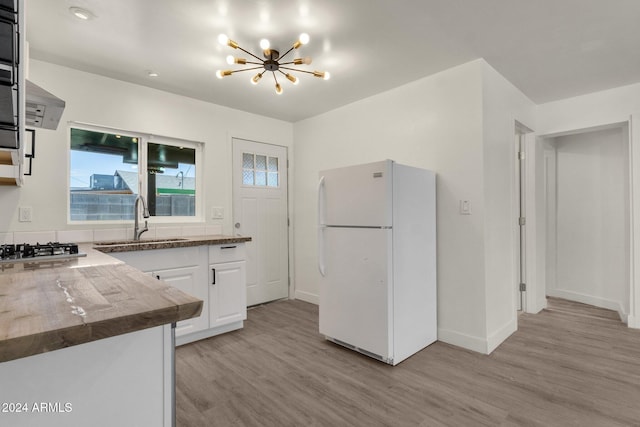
(6, 239)
(165, 232)
(33, 237)
(103, 234)
(213, 229)
(147, 235)
(193, 231)
(74, 236)
(106, 234)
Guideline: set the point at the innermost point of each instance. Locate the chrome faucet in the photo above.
(137, 232)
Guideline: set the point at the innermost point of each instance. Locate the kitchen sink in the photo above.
(137, 242)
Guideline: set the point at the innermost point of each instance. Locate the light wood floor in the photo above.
(566, 366)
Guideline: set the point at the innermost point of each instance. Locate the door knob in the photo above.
(237, 225)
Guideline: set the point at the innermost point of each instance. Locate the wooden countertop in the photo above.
(82, 300)
(140, 245)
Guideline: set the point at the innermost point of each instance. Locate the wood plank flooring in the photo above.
(563, 367)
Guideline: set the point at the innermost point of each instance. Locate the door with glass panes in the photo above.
(260, 212)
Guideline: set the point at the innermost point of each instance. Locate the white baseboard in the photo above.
(307, 297)
(462, 340)
(501, 334)
(589, 299)
(633, 322)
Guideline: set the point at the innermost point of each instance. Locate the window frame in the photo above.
(143, 140)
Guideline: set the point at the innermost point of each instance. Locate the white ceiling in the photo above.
(549, 49)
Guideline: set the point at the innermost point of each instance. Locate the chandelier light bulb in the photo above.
(264, 44)
(278, 89)
(223, 73)
(292, 79)
(327, 75)
(304, 38)
(231, 60)
(223, 39)
(255, 79)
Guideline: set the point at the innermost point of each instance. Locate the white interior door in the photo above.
(260, 212)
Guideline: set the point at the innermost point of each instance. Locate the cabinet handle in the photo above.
(214, 276)
(228, 247)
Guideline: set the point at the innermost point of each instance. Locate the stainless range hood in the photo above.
(43, 109)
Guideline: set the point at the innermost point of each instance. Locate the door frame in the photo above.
(260, 139)
(525, 137)
(537, 226)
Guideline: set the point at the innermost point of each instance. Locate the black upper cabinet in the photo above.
(9, 63)
(10, 5)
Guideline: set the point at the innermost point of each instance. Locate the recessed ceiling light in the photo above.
(81, 13)
(152, 74)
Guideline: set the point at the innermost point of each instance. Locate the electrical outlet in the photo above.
(217, 213)
(25, 214)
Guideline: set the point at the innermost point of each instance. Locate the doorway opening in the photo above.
(587, 216)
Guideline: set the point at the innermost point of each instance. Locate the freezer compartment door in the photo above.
(356, 195)
(355, 291)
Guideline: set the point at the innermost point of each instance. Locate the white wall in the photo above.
(436, 123)
(503, 105)
(433, 123)
(102, 101)
(592, 219)
(619, 105)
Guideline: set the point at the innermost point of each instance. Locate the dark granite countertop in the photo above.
(181, 242)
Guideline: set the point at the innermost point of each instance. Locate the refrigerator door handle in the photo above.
(321, 226)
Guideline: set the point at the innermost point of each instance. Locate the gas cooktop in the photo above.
(26, 252)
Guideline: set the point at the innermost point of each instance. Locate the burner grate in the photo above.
(26, 250)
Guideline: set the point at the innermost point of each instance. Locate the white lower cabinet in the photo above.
(225, 301)
(227, 293)
(187, 280)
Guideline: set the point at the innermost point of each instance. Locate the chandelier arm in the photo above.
(256, 63)
(297, 70)
(246, 69)
(249, 53)
(285, 54)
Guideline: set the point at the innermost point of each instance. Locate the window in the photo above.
(109, 169)
(259, 170)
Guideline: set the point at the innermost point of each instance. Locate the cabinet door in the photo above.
(185, 279)
(227, 293)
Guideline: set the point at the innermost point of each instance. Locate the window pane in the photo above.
(247, 160)
(103, 177)
(272, 179)
(273, 164)
(171, 180)
(247, 177)
(261, 162)
(261, 178)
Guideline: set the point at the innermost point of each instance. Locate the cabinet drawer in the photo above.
(226, 253)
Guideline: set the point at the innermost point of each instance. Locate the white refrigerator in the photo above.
(377, 259)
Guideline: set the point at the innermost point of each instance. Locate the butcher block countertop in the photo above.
(86, 299)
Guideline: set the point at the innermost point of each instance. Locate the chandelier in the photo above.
(272, 62)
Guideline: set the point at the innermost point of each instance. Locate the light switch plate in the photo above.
(25, 214)
(217, 213)
(465, 207)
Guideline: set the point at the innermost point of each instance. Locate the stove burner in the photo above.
(26, 250)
